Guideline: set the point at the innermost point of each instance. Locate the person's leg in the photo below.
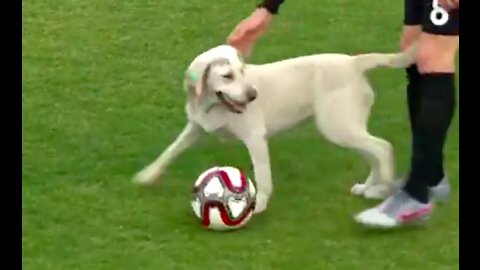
(412, 28)
(430, 122)
(436, 64)
(410, 34)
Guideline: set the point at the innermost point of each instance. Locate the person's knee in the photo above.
(436, 53)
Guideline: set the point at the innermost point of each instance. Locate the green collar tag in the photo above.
(192, 76)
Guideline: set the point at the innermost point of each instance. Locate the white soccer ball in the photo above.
(223, 198)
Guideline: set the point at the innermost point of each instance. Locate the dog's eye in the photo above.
(228, 76)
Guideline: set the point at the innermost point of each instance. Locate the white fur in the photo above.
(330, 88)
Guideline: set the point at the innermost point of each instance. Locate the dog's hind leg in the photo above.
(150, 174)
(379, 154)
(343, 118)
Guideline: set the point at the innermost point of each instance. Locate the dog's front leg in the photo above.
(150, 174)
(258, 150)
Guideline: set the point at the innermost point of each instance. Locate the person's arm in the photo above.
(250, 29)
(271, 5)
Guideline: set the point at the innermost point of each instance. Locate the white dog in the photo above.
(225, 96)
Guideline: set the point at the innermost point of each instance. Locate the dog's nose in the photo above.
(251, 94)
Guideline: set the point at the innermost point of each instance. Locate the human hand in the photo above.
(249, 30)
(449, 4)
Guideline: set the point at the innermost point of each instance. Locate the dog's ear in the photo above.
(189, 82)
(240, 57)
(201, 84)
(196, 85)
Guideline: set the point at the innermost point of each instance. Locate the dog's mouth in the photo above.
(231, 104)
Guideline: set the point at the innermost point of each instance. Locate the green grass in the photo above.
(102, 97)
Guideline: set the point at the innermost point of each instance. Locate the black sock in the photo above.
(433, 120)
(413, 94)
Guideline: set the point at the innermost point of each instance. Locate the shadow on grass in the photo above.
(381, 232)
(191, 224)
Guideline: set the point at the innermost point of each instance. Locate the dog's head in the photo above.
(217, 77)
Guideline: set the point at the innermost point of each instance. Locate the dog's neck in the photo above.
(251, 75)
(201, 107)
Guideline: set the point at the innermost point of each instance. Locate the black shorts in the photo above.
(419, 12)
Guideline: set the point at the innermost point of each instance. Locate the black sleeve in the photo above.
(271, 5)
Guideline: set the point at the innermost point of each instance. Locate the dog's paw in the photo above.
(358, 189)
(378, 192)
(261, 203)
(146, 177)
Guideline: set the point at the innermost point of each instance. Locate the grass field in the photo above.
(102, 97)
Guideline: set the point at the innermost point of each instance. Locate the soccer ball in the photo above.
(223, 198)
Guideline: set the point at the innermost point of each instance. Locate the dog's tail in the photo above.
(393, 60)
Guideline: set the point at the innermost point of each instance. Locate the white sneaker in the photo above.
(396, 210)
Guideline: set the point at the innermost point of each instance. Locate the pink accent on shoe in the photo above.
(412, 215)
